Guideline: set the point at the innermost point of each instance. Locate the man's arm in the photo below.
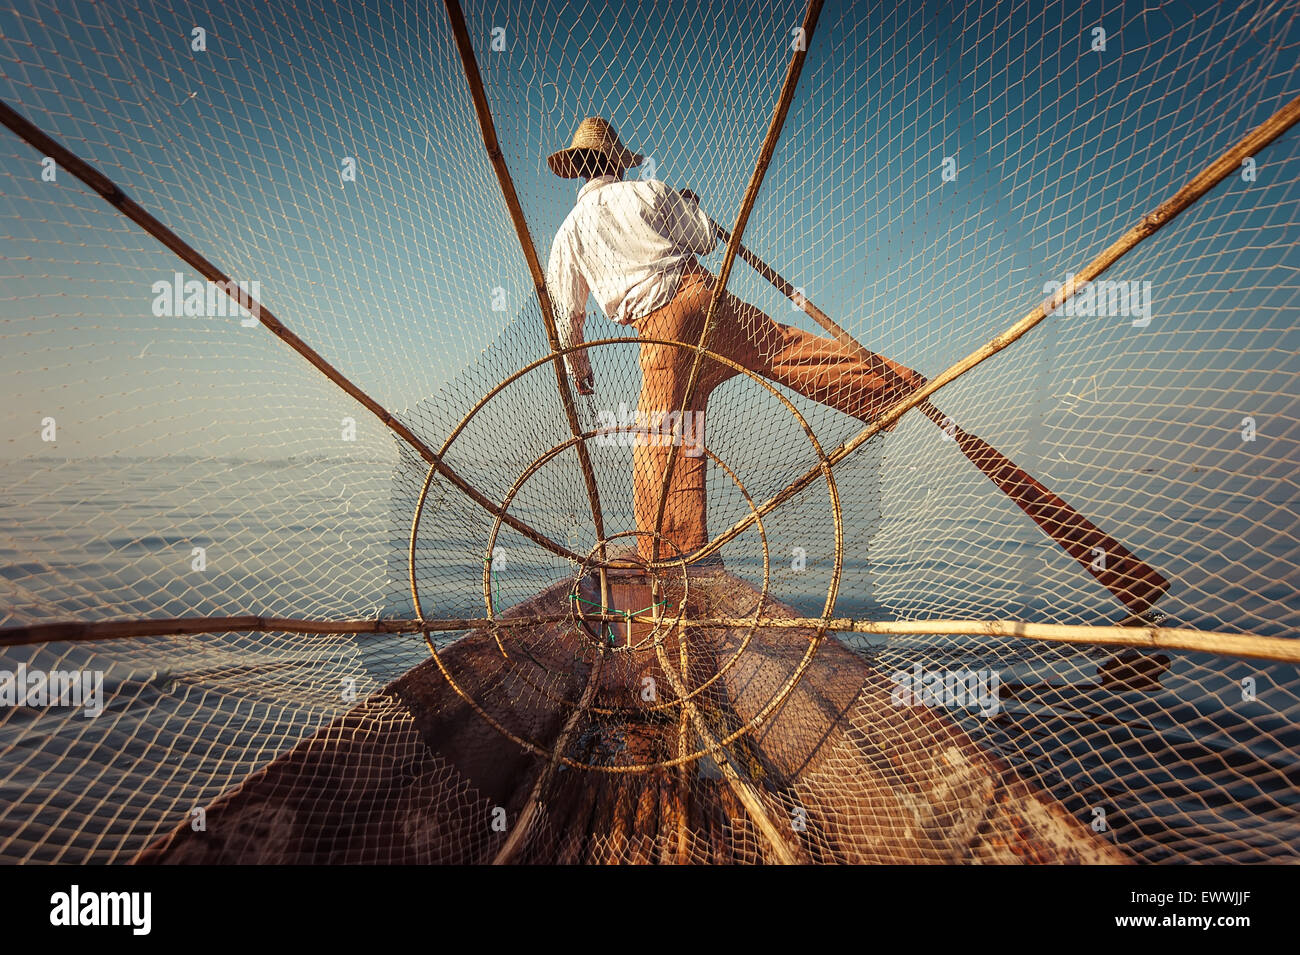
(568, 290)
(688, 226)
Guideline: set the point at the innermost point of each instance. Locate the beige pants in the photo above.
(818, 368)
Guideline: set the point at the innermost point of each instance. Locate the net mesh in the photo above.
(939, 169)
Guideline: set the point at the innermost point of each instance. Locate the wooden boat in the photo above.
(415, 774)
(539, 742)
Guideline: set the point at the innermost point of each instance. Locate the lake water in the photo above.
(1190, 770)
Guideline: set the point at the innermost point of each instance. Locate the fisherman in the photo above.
(633, 246)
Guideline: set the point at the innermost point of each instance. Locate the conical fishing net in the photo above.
(354, 573)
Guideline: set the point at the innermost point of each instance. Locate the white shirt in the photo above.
(625, 243)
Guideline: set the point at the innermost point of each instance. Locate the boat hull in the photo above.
(836, 772)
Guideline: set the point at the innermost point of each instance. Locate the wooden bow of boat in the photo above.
(837, 771)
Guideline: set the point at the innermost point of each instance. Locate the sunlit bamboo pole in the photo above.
(1245, 645)
(460, 32)
(733, 245)
(1167, 638)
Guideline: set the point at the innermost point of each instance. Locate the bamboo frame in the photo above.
(1151, 223)
(684, 699)
(114, 196)
(738, 230)
(722, 670)
(460, 32)
(832, 488)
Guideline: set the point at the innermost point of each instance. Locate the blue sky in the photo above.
(1058, 148)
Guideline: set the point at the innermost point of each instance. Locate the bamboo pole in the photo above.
(684, 772)
(114, 196)
(82, 631)
(532, 810)
(475, 80)
(1244, 645)
(1149, 225)
(738, 230)
(744, 791)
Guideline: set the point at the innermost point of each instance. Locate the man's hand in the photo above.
(584, 379)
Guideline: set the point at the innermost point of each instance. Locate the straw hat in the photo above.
(594, 135)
